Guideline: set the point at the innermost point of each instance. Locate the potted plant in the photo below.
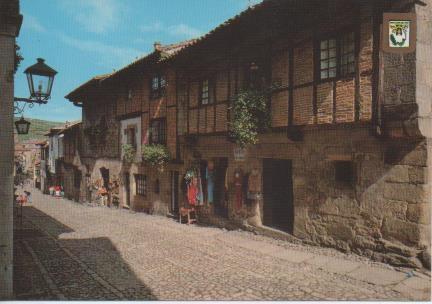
(156, 155)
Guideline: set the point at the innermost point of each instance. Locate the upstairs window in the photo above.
(328, 59)
(256, 75)
(129, 95)
(347, 65)
(158, 130)
(205, 92)
(158, 84)
(337, 57)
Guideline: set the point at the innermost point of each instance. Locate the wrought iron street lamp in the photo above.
(40, 78)
(22, 126)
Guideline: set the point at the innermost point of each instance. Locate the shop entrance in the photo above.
(220, 191)
(105, 177)
(278, 194)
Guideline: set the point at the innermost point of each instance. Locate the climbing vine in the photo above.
(18, 58)
(250, 116)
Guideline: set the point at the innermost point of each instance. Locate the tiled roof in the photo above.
(246, 13)
(87, 84)
(162, 54)
(70, 126)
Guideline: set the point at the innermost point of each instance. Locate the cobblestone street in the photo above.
(66, 250)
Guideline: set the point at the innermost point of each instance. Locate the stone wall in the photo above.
(382, 214)
(153, 202)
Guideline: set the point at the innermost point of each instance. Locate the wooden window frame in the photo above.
(161, 122)
(210, 92)
(157, 91)
(339, 38)
(140, 184)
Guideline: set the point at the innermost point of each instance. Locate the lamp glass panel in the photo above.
(41, 85)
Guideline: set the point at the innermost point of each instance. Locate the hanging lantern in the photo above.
(22, 126)
(40, 78)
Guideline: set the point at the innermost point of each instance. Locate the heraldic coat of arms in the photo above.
(399, 33)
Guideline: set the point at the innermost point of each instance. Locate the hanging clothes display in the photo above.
(192, 191)
(210, 181)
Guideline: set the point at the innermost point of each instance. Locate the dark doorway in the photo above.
(220, 191)
(278, 194)
(105, 176)
(174, 192)
(127, 188)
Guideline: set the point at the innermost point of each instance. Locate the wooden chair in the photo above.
(187, 213)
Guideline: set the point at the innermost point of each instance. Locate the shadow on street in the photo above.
(47, 267)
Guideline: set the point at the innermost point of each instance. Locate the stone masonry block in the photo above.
(406, 192)
(405, 232)
(419, 213)
(398, 174)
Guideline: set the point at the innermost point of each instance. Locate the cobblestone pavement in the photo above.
(66, 250)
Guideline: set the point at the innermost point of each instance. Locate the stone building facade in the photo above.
(346, 162)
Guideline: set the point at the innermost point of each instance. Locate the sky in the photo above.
(84, 38)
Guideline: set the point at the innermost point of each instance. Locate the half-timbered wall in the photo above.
(300, 97)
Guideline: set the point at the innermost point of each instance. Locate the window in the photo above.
(130, 136)
(347, 65)
(141, 184)
(205, 92)
(337, 57)
(158, 84)
(328, 58)
(158, 131)
(129, 94)
(344, 172)
(255, 75)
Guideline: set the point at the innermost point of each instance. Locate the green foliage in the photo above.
(129, 153)
(18, 57)
(37, 129)
(156, 155)
(250, 116)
